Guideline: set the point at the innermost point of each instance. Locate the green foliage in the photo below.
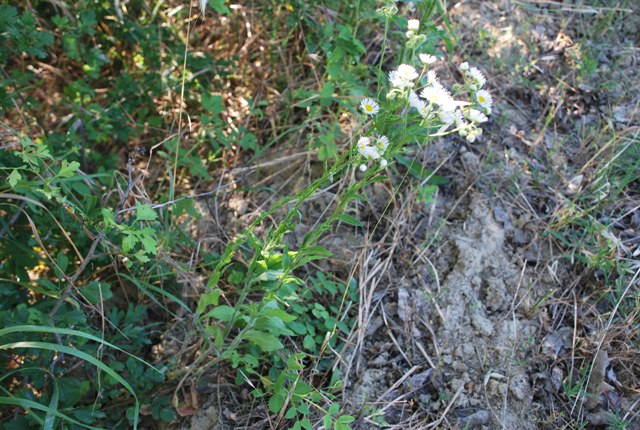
(87, 277)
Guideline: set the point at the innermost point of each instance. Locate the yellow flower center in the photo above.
(369, 108)
(482, 99)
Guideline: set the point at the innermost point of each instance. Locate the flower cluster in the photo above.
(439, 110)
(373, 148)
(414, 38)
(387, 11)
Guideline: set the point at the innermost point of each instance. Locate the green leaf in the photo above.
(319, 250)
(327, 421)
(309, 343)
(345, 419)
(29, 404)
(270, 275)
(326, 94)
(96, 292)
(302, 389)
(107, 216)
(83, 356)
(212, 104)
(70, 332)
(50, 419)
(280, 314)
(144, 212)
(276, 402)
(68, 169)
(222, 313)
(14, 177)
(207, 299)
(128, 242)
(291, 413)
(219, 6)
(150, 244)
(348, 219)
(263, 340)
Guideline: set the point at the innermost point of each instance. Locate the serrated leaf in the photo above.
(144, 212)
(14, 177)
(97, 291)
(141, 257)
(150, 244)
(107, 215)
(348, 219)
(129, 242)
(67, 170)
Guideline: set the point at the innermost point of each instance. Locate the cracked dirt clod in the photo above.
(483, 344)
(482, 280)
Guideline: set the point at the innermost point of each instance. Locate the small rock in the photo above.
(421, 379)
(519, 386)
(481, 323)
(555, 342)
(520, 237)
(557, 376)
(460, 367)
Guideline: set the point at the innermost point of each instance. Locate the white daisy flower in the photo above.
(477, 76)
(424, 110)
(427, 59)
(370, 153)
(414, 100)
(363, 142)
(440, 96)
(484, 99)
(413, 25)
(369, 106)
(403, 77)
(432, 78)
(366, 150)
(381, 143)
(459, 120)
(475, 115)
(447, 117)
